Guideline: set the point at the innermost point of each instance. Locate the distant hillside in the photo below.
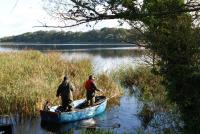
(105, 35)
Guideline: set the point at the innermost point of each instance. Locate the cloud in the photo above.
(21, 17)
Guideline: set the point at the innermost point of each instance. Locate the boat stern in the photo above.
(50, 116)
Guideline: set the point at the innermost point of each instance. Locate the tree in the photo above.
(83, 11)
(176, 43)
(105, 35)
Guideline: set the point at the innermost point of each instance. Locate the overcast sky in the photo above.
(19, 16)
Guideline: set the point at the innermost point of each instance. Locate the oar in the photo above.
(112, 96)
(102, 91)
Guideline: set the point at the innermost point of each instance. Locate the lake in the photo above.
(120, 117)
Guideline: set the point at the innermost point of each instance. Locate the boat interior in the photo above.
(98, 100)
(81, 104)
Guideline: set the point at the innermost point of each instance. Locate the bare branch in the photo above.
(85, 11)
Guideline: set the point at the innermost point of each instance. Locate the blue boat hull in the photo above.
(77, 114)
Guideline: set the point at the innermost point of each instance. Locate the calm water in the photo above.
(5, 49)
(120, 117)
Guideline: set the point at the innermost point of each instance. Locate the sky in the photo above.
(20, 16)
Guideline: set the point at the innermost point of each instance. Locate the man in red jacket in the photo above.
(90, 90)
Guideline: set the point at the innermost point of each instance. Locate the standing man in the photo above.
(90, 90)
(65, 90)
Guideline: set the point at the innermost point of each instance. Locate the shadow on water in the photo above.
(87, 124)
(58, 128)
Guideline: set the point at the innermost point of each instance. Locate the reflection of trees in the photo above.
(146, 115)
(119, 53)
(156, 107)
(160, 121)
(92, 50)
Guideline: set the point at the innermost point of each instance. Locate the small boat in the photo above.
(6, 124)
(80, 111)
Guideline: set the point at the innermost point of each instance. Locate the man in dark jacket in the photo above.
(65, 90)
(90, 90)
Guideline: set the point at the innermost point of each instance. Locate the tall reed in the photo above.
(149, 85)
(28, 78)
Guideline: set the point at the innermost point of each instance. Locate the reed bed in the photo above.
(29, 78)
(150, 86)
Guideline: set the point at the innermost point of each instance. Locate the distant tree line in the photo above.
(105, 35)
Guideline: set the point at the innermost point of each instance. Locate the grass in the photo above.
(28, 78)
(149, 85)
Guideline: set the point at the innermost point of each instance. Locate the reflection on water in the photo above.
(112, 52)
(105, 64)
(68, 47)
(5, 49)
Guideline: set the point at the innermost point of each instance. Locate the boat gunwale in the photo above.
(76, 110)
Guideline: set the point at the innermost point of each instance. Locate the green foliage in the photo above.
(28, 78)
(149, 85)
(177, 44)
(105, 35)
(159, 10)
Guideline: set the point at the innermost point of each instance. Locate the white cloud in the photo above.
(21, 17)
